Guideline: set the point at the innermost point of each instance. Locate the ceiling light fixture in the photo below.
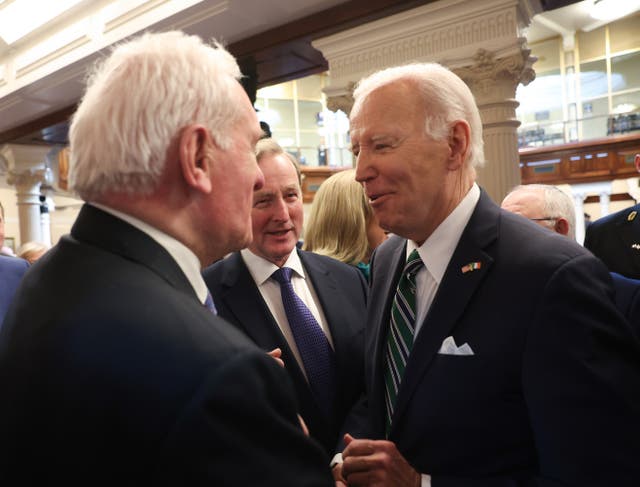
(21, 17)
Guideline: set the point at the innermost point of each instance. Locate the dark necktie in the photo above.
(208, 303)
(314, 347)
(401, 333)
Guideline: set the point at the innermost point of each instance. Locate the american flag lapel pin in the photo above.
(471, 266)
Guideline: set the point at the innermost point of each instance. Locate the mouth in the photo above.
(375, 199)
(280, 233)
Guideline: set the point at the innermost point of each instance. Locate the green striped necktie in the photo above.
(401, 333)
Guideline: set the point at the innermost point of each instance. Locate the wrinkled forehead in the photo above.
(390, 108)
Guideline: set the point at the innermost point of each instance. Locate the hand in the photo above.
(276, 354)
(376, 463)
(337, 475)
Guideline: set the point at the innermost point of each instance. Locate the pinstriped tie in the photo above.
(401, 330)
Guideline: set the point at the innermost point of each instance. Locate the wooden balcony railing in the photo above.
(588, 161)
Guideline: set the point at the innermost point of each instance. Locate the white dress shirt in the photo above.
(184, 257)
(261, 270)
(436, 253)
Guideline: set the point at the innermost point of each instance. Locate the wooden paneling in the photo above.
(313, 177)
(588, 161)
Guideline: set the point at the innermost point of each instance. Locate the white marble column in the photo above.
(578, 202)
(27, 171)
(480, 40)
(580, 193)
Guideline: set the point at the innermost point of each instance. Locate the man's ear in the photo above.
(562, 226)
(195, 151)
(458, 144)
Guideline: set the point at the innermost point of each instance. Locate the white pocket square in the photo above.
(449, 347)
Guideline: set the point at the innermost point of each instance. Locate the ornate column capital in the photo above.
(489, 72)
(27, 178)
(341, 99)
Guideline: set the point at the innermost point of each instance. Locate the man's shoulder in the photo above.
(16, 264)
(328, 263)
(619, 217)
(215, 273)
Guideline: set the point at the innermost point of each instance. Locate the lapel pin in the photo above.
(636, 246)
(471, 266)
(632, 216)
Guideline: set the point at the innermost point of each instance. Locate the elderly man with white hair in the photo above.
(495, 356)
(114, 368)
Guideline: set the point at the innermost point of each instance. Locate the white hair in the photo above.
(137, 102)
(445, 96)
(556, 204)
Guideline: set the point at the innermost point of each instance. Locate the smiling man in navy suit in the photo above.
(247, 294)
(495, 355)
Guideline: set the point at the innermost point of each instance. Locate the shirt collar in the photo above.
(437, 250)
(261, 269)
(184, 257)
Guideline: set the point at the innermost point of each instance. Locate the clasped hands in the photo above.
(374, 463)
(367, 463)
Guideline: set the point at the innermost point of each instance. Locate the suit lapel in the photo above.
(239, 289)
(456, 290)
(386, 266)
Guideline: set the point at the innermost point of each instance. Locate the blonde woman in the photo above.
(341, 223)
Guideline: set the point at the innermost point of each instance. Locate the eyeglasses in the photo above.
(546, 218)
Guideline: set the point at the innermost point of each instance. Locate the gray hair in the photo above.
(556, 204)
(138, 100)
(445, 96)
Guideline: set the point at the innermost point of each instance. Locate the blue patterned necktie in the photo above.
(401, 333)
(208, 303)
(314, 347)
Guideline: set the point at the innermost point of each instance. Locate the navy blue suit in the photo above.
(628, 299)
(550, 395)
(113, 373)
(342, 292)
(615, 239)
(11, 271)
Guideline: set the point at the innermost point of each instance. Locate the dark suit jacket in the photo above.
(628, 299)
(11, 271)
(113, 373)
(342, 292)
(550, 395)
(616, 241)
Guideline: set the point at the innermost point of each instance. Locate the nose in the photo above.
(280, 210)
(364, 168)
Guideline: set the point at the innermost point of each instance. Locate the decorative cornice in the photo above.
(447, 29)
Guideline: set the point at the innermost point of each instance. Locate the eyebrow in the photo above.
(263, 194)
